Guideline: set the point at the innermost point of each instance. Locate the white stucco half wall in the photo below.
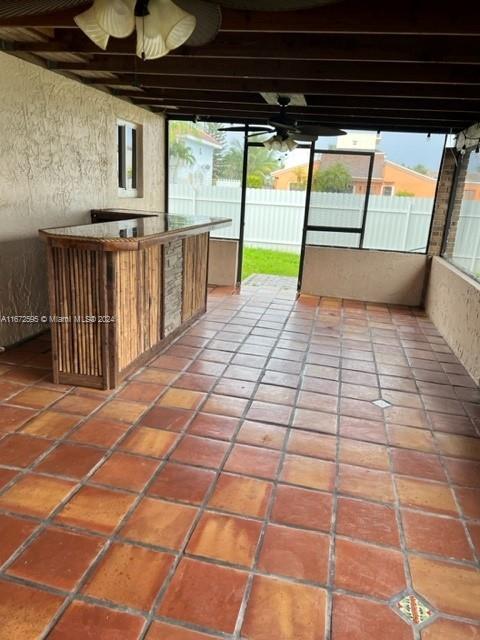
(57, 161)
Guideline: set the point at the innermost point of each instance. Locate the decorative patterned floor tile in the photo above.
(383, 404)
(413, 609)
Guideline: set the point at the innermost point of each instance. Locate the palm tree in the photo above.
(179, 152)
(261, 163)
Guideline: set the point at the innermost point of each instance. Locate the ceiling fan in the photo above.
(161, 25)
(287, 131)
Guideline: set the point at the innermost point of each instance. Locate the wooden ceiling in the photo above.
(412, 66)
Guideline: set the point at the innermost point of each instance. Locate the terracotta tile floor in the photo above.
(286, 470)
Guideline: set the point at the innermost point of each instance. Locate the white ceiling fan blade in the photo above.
(149, 47)
(170, 22)
(209, 20)
(115, 17)
(88, 23)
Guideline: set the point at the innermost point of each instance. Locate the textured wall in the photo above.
(58, 161)
(372, 276)
(453, 304)
(173, 283)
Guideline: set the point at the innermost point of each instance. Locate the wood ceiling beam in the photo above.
(415, 17)
(308, 87)
(172, 96)
(268, 69)
(327, 47)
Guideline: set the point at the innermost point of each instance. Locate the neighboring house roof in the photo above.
(411, 171)
(357, 165)
(203, 137)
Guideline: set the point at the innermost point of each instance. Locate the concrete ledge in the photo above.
(222, 262)
(367, 275)
(453, 304)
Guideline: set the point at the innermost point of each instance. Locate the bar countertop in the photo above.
(129, 233)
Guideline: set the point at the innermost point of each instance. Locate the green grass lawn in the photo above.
(277, 263)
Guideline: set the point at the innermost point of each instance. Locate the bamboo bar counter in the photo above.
(121, 288)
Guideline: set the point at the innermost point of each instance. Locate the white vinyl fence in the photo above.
(274, 219)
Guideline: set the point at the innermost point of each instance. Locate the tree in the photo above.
(420, 168)
(179, 152)
(212, 128)
(261, 163)
(405, 194)
(333, 179)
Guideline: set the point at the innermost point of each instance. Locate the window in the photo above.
(387, 191)
(462, 241)
(128, 155)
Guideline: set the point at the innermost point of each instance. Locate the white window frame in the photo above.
(123, 191)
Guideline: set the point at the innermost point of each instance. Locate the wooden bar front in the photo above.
(115, 305)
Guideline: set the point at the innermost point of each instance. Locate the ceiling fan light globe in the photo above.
(88, 23)
(170, 22)
(116, 17)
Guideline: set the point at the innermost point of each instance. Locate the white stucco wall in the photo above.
(453, 304)
(57, 161)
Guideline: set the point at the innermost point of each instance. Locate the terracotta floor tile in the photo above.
(282, 379)
(318, 385)
(51, 424)
(360, 619)
(35, 495)
(213, 355)
(141, 392)
(463, 472)
(360, 409)
(284, 611)
(411, 438)
(242, 495)
(458, 446)
(80, 406)
(101, 432)
(156, 376)
(207, 368)
(205, 595)
(24, 375)
(13, 532)
(309, 472)
(180, 482)
(315, 421)
(474, 530)
(451, 630)
(72, 460)
(200, 451)
(35, 397)
(212, 426)
(122, 410)
(96, 509)
(402, 399)
(18, 450)
(275, 394)
(254, 461)
(407, 417)
(237, 388)
(181, 398)
(421, 534)
(267, 412)
(159, 523)
(125, 471)
(461, 425)
(368, 569)
(57, 558)
(303, 508)
(367, 521)
(317, 401)
(25, 612)
(12, 418)
(363, 454)
(295, 553)
(360, 429)
(451, 588)
(227, 538)
(167, 418)
(262, 435)
(365, 483)
(359, 392)
(196, 382)
(171, 362)
(469, 500)
(225, 405)
(149, 442)
(307, 443)
(164, 631)
(359, 377)
(6, 475)
(83, 621)
(444, 405)
(420, 465)
(129, 576)
(426, 495)
(8, 389)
